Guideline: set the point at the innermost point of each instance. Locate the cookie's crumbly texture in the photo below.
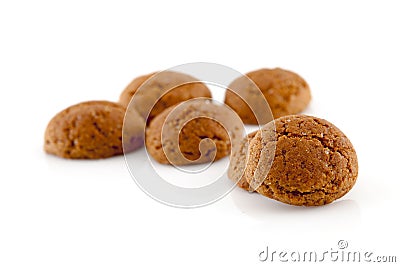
(89, 130)
(285, 91)
(193, 136)
(155, 90)
(314, 162)
(239, 161)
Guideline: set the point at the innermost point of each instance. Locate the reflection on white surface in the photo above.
(342, 211)
(209, 173)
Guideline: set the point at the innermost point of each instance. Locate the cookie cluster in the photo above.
(95, 129)
(295, 159)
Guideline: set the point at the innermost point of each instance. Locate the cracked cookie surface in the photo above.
(311, 161)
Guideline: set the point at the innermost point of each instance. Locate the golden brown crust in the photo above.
(190, 137)
(285, 91)
(314, 162)
(156, 84)
(88, 130)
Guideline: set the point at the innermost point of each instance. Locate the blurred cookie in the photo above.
(239, 160)
(92, 130)
(191, 133)
(133, 130)
(285, 91)
(160, 91)
(301, 160)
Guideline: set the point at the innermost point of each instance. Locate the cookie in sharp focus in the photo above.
(302, 160)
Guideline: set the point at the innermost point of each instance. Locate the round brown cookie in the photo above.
(239, 161)
(92, 130)
(133, 86)
(162, 90)
(191, 133)
(285, 91)
(314, 162)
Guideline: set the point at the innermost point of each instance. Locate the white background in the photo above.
(56, 212)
